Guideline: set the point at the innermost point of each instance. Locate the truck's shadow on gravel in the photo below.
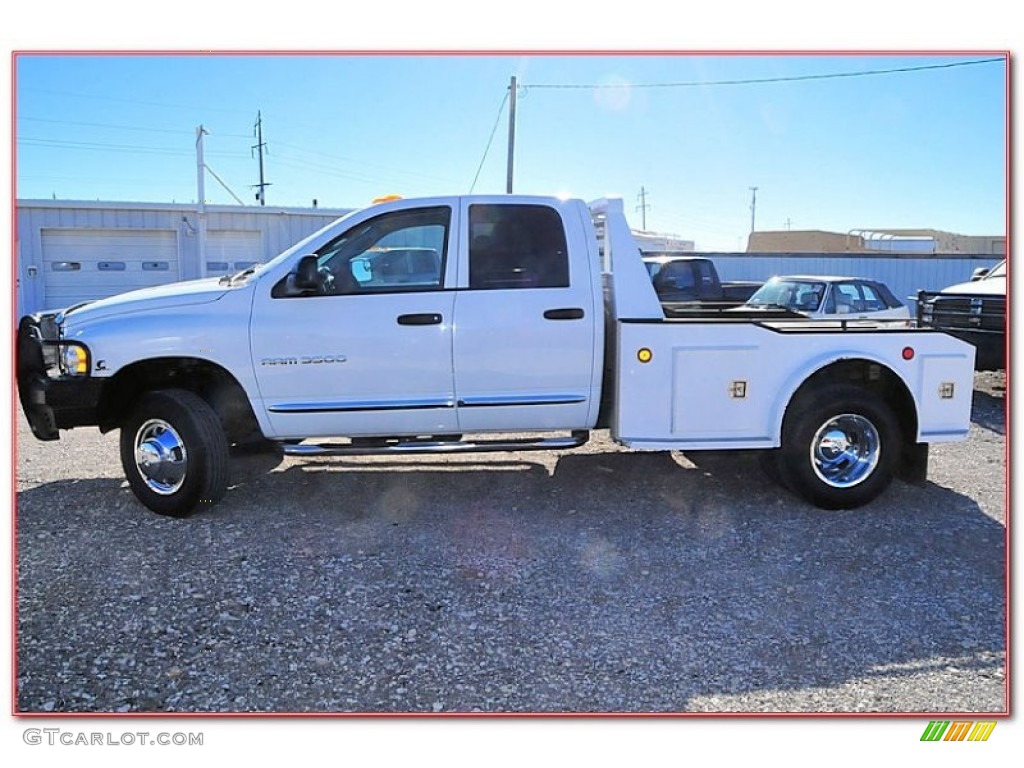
(618, 583)
(989, 411)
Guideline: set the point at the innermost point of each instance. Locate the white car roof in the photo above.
(821, 278)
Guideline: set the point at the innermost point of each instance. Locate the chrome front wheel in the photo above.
(174, 452)
(161, 457)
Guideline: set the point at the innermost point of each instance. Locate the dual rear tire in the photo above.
(840, 447)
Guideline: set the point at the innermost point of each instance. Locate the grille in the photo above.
(976, 313)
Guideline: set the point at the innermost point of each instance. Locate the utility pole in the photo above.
(511, 133)
(753, 207)
(789, 224)
(201, 206)
(259, 145)
(642, 207)
(200, 165)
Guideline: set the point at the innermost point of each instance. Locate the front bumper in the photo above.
(51, 402)
(979, 319)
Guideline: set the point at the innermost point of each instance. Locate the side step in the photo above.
(430, 445)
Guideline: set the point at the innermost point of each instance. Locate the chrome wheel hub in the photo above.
(845, 450)
(160, 457)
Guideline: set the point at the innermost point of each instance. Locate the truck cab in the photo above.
(500, 332)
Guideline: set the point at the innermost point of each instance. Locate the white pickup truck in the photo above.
(447, 324)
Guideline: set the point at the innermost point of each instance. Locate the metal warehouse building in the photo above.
(70, 251)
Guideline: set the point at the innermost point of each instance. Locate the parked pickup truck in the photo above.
(694, 279)
(973, 311)
(526, 324)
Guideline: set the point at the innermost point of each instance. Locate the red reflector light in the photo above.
(908, 353)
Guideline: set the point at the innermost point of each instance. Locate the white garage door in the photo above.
(83, 264)
(229, 250)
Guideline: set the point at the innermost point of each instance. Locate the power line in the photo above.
(149, 182)
(73, 94)
(766, 80)
(335, 169)
(122, 127)
(487, 149)
(355, 161)
(129, 148)
(103, 125)
(323, 169)
(124, 148)
(389, 176)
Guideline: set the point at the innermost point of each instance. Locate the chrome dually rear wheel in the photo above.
(840, 445)
(845, 450)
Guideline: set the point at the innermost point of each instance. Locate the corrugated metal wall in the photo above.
(278, 229)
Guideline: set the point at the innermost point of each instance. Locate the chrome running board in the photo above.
(414, 445)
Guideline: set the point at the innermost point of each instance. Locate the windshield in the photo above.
(304, 246)
(799, 295)
(652, 267)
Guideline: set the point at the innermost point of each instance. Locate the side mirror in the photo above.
(307, 274)
(979, 273)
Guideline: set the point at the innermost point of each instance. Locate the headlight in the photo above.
(74, 359)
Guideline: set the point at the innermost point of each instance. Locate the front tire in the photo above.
(840, 447)
(174, 452)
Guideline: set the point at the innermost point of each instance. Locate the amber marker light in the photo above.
(644, 355)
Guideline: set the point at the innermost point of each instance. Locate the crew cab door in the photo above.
(527, 352)
(369, 352)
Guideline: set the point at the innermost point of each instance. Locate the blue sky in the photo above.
(913, 149)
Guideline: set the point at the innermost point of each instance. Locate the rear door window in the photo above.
(516, 246)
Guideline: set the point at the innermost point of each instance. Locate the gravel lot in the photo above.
(590, 581)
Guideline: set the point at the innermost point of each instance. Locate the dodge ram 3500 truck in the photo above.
(445, 324)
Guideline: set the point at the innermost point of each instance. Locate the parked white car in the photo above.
(830, 298)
